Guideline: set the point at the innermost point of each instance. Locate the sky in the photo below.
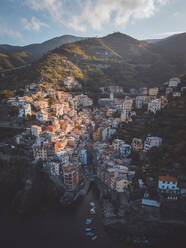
(24, 22)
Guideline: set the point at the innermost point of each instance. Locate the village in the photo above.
(74, 140)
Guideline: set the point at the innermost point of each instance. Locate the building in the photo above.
(177, 94)
(153, 91)
(126, 110)
(71, 176)
(36, 130)
(173, 82)
(107, 132)
(151, 142)
(43, 150)
(122, 184)
(168, 91)
(143, 91)
(139, 102)
(167, 183)
(42, 116)
(25, 110)
(125, 150)
(154, 106)
(137, 144)
(83, 156)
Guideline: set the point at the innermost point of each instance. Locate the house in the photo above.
(137, 144)
(151, 142)
(168, 91)
(107, 132)
(139, 102)
(126, 115)
(54, 168)
(25, 111)
(122, 184)
(153, 91)
(126, 110)
(173, 82)
(83, 156)
(36, 130)
(167, 183)
(125, 150)
(44, 150)
(154, 106)
(71, 176)
(176, 94)
(143, 91)
(42, 116)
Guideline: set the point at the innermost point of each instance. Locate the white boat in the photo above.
(92, 204)
(88, 221)
(95, 237)
(92, 211)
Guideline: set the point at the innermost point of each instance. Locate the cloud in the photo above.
(166, 34)
(53, 7)
(35, 24)
(96, 13)
(6, 31)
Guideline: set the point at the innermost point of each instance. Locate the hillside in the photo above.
(114, 59)
(18, 56)
(8, 61)
(134, 51)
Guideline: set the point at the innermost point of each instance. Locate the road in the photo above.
(15, 68)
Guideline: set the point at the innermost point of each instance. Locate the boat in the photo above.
(88, 221)
(95, 237)
(92, 211)
(89, 234)
(88, 229)
(92, 204)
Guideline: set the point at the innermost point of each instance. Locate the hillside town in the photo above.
(73, 138)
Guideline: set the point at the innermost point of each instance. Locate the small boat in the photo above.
(89, 234)
(95, 237)
(88, 221)
(92, 204)
(92, 211)
(88, 229)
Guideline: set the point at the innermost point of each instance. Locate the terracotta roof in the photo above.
(168, 179)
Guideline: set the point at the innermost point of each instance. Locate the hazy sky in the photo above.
(31, 21)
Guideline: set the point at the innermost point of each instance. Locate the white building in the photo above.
(166, 183)
(176, 94)
(83, 156)
(107, 132)
(126, 110)
(154, 106)
(54, 169)
(42, 116)
(36, 130)
(126, 115)
(121, 184)
(151, 142)
(25, 110)
(173, 82)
